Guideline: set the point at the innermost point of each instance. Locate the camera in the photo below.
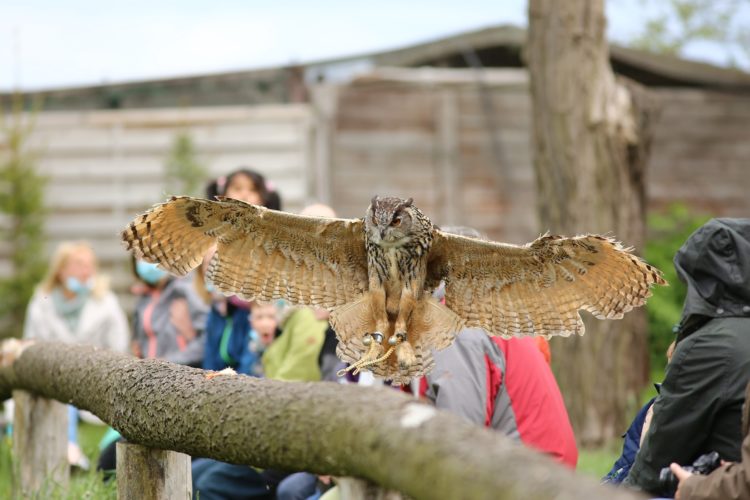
(704, 464)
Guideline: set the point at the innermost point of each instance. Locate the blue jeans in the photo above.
(298, 486)
(221, 481)
(72, 424)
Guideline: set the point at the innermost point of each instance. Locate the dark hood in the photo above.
(714, 263)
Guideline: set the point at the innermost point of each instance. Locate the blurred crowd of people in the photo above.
(503, 384)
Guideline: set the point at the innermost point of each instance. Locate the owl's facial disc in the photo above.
(388, 221)
(396, 230)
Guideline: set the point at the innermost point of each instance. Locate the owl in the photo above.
(376, 275)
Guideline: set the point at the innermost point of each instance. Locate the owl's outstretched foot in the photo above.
(374, 344)
(404, 353)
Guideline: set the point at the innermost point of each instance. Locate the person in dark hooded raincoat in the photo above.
(699, 408)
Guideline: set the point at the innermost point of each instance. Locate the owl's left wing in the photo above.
(261, 254)
(538, 288)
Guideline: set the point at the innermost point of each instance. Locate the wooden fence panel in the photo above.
(104, 167)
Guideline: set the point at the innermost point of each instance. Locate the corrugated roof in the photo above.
(648, 68)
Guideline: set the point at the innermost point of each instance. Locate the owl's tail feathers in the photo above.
(350, 322)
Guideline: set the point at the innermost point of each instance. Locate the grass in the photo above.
(597, 462)
(83, 484)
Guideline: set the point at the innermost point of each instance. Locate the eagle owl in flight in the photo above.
(376, 275)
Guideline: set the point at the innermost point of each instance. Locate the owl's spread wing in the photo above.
(261, 254)
(538, 289)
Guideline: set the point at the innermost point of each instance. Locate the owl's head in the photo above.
(389, 220)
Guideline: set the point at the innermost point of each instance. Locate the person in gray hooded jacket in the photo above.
(169, 317)
(699, 408)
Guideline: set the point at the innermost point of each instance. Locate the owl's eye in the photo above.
(396, 222)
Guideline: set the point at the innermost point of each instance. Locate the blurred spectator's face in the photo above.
(81, 265)
(242, 188)
(264, 322)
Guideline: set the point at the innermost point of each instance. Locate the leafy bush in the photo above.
(185, 174)
(667, 232)
(22, 214)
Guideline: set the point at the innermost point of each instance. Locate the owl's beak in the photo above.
(382, 234)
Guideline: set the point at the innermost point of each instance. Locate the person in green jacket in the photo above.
(293, 355)
(699, 408)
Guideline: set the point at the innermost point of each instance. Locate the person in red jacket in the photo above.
(505, 384)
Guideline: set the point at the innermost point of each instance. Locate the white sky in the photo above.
(47, 44)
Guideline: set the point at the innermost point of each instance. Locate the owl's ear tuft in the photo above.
(374, 200)
(403, 205)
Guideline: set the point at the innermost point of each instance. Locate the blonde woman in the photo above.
(73, 304)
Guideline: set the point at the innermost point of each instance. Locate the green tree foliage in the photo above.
(185, 174)
(681, 22)
(667, 232)
(22, 215)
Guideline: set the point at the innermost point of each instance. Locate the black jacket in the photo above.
(699, 408)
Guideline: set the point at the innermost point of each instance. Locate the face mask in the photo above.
(149, 272)
(254, 337)
(77, 286)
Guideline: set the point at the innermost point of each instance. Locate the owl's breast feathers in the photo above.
(400, 263)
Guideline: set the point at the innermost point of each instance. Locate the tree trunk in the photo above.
(591, 142)
(326, 428)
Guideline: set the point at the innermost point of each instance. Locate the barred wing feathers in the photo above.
(538, 288)
(261, 254)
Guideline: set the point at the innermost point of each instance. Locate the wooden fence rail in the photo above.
(375, 434)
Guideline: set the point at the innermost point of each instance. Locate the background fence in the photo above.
(457, 140)
(104, 167)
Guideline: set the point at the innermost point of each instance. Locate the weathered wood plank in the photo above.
(150, 474)
(40, 445)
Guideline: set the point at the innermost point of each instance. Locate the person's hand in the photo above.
(681, 474)
(179, 316)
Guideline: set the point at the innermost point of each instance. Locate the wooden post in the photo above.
(151, 474)
(40, 445)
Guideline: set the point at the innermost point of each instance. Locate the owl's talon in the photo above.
(405, 355)
(377, 337)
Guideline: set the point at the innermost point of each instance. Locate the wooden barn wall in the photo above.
(464, 153)
(461, 152)
(105, 167)
(701, 152)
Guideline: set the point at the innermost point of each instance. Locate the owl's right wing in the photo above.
(261, 254)
(538, 289)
